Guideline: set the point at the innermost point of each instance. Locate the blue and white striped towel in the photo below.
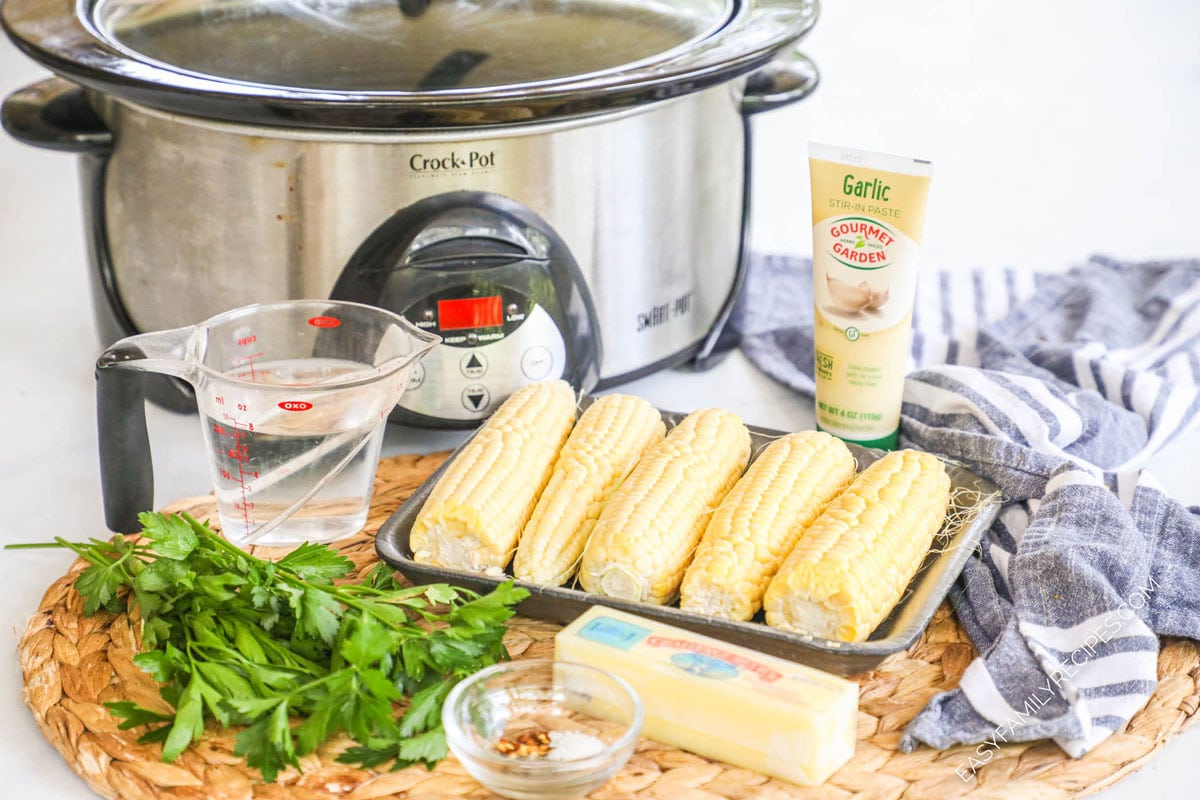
(1057, 388)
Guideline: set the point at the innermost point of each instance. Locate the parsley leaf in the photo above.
(98, 585)
(319, 615)
(172, 536)
(189, 720)
(163, 575)
(267, 744)
(440, 593)
(316, 563)
(428, 748)
(368, 642)
(425, 709)
(133, 715)
(371, 755)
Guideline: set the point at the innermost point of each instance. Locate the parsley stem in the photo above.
(34, 546)
(205, 533)
(80, 548)
(345, 597)
(95, 554)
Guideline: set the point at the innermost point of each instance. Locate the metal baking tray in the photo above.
(952, 547)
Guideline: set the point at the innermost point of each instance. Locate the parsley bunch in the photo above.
(252, 642)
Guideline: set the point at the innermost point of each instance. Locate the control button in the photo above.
(427, 315)
(416, 377)
(536, 362)
(472, 338)
(473, 365)
(476, 397)
(512, 309)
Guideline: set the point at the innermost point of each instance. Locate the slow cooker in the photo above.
(558, 188)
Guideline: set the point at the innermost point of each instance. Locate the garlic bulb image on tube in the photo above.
(868, 213)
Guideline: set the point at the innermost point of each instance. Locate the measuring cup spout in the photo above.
(164, 352)
(126, 470)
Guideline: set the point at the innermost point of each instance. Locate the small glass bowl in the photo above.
(541, 729)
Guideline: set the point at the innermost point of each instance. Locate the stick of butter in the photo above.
(720, 700)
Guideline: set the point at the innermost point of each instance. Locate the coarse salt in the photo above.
(571, 745)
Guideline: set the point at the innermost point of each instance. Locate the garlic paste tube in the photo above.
(868, 212)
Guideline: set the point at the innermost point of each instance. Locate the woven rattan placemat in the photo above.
(73, 664)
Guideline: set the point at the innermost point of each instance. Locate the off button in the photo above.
(536, 362)
(476, 397)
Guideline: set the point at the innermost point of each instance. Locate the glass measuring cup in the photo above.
(293, 397)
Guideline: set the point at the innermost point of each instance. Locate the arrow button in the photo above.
(473, 365)
(476, 397)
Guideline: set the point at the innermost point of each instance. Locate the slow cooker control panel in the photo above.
(492, 345)
(496, 283)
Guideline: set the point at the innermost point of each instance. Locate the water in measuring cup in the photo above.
(265, 457)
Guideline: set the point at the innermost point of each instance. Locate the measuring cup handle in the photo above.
(126, 469)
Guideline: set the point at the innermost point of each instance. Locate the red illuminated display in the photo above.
(470, 312)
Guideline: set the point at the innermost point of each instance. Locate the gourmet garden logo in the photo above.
(861, 243)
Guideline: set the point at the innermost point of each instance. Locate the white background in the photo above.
(1057, 130)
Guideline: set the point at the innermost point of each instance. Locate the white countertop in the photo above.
(1057, 130)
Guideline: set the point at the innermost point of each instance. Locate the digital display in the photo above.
(470, 312)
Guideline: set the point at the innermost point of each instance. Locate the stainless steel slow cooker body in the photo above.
(207, 191)
(651, 210)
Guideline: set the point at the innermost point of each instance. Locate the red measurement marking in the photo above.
(239, 453)
(324, 322)
(248, 360)
(245, 340)
(295, 405)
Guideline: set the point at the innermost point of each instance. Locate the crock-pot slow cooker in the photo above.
(558, 188)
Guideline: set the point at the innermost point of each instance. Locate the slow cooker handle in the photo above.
(787, 79)
(55, 114)
(126, 467)
(792, 76)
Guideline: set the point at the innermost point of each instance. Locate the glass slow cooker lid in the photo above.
(404, 45)
(401, 64)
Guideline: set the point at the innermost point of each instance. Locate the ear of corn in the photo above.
(606, 443)
(649, 528)
(760, 521)
(855, 561)
(475, 513)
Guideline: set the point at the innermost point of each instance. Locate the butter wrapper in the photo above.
(720, 700)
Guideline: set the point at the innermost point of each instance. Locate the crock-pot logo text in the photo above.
(860, 242)
(441, 163)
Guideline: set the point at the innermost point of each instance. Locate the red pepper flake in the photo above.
(531, 744)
